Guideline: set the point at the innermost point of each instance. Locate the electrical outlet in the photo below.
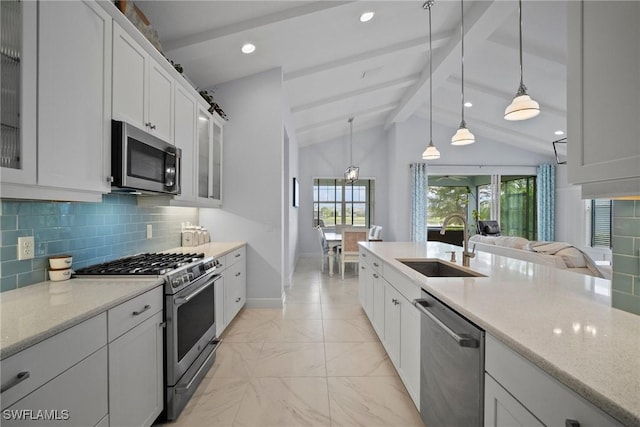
(25, 247)
(149, 231)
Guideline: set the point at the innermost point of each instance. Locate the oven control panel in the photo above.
(187, 274)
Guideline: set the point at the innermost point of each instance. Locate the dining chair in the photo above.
(350, 238)
(324, 245)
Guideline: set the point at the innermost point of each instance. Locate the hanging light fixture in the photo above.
(431, 153)
(522, 107)
(352, 172)
(462, 135)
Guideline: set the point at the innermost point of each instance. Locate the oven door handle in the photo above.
(185, 299)
(462, 339)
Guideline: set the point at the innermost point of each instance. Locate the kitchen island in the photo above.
(561, 322)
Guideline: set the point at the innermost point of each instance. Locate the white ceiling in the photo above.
(336, 67)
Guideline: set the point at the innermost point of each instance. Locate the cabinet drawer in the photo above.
(77, 397)
(51, 357)
(372, 260)
(133, 312)
(546, 398)
(402, 283)
(235, 256)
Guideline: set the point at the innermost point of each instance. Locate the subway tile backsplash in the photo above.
(90, 232)
(626, 256)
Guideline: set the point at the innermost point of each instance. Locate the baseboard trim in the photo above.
(264, 303)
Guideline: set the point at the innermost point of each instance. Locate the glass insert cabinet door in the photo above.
(18, 78)
(209, 156)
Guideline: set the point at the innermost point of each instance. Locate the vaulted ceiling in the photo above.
(336, 67)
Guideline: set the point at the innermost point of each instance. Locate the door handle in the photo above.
(462, 340)
(17, 380)
(137, 313)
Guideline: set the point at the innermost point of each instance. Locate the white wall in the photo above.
(329, 160)
(290, 219)
(252, 206)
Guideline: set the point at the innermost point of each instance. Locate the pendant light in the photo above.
(522, 107)
(431, 153)
(462, 135)
(352, 172)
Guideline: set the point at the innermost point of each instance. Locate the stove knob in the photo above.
(175, 282)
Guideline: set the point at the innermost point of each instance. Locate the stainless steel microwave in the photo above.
(141, 161)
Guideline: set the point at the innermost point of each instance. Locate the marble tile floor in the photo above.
(315, 362)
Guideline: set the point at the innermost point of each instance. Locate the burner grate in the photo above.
(147, 264)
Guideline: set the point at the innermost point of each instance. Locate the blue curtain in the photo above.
(418, 202)
(546, 192)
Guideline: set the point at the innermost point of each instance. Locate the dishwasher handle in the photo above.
(463, 340)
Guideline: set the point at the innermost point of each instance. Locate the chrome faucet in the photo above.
(466, 255)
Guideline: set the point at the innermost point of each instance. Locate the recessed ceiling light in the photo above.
(468, 104)
(559, 132)
(248, 48)
(366, 16)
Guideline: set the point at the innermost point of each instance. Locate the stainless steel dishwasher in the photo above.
(451, 366)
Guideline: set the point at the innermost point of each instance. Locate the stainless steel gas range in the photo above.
(189, 313)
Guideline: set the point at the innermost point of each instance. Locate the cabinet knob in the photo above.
(362, 267)
(571, 423)
(109, 179)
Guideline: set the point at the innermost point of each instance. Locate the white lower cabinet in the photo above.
(61, 381)
(519, 393)
(231, 288)
(77, 397)
(386, 299)
(135, 374)
(503, 410)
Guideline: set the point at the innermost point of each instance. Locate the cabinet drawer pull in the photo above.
(362, 267)
(17, 380)
(238, 255)
(376, 276)
(238, 274)
(238, 299)
(147, 124)
(152, 126)
(375, 264)
(364, 255)
(162, 324)
(146, 307)
(571, 423)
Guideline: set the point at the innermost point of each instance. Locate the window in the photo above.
(518, 206)
(336, 202)
(445, 200)
(601, 223)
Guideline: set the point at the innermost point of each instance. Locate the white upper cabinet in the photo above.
(209, 158)
(142, 89)
(603, 99)
(19, 82)
(74, 107)
(63, 142)
(185, 139)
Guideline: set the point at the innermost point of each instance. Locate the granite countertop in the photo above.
(36, 312)
(561, 321)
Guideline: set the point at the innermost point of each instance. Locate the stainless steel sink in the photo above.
(439, 268)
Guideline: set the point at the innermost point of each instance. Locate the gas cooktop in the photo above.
(140, 265)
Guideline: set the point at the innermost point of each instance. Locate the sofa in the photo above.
(556, 254)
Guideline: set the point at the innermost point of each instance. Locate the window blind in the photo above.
(601, 223)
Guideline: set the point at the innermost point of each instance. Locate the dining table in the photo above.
(333, 240)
